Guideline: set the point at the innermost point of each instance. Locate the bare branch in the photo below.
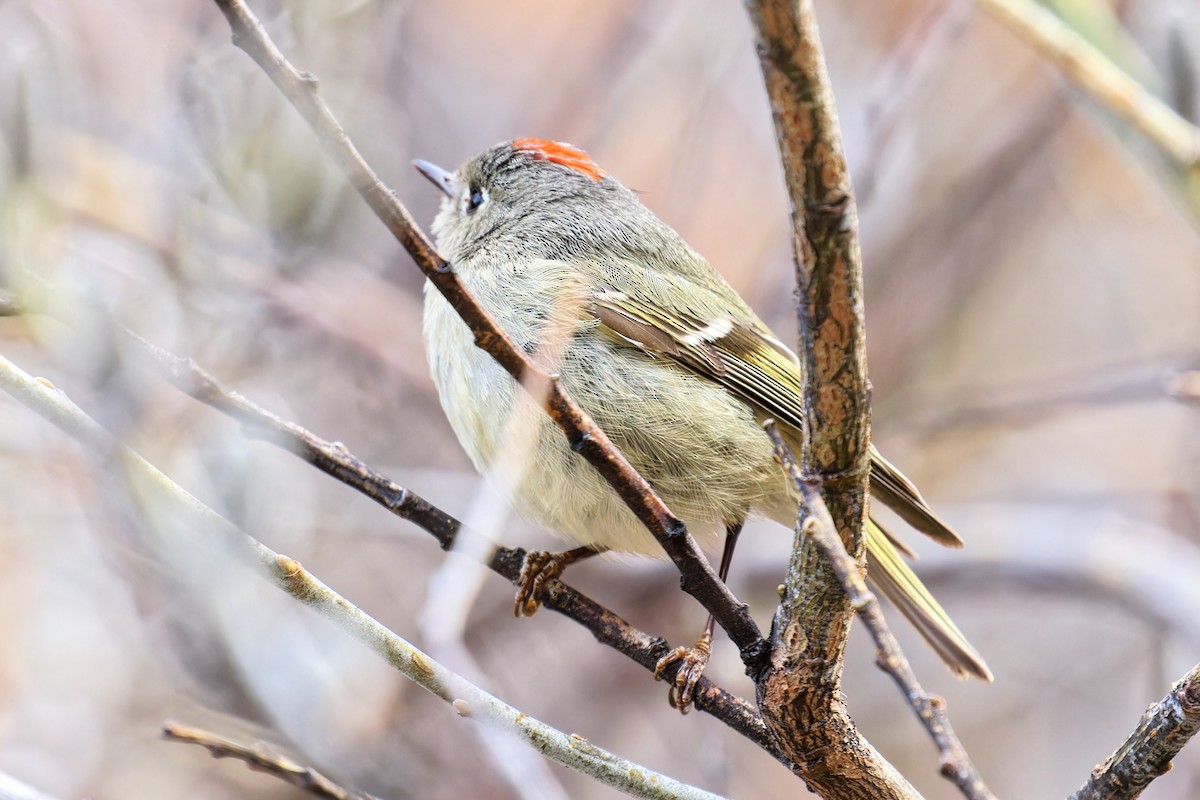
(467, 700)
(262, 758)
(698, 577)
(1159, 736)
(800, 693)
(828, 268)
(816, 524)
(1093, 73)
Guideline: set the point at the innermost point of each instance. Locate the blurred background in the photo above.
(1033, 308)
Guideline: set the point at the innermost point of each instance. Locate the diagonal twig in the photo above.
(1146, 754)
(261, 758)
(697, 576)
(1095, 74)
(334, 459)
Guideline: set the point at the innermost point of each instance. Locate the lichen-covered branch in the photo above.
(828, 262)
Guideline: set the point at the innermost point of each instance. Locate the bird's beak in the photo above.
(439, 177)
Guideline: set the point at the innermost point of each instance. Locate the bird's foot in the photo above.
(692, 661)
(539, 568)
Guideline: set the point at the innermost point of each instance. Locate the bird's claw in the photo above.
(692, 661)
(539, 567)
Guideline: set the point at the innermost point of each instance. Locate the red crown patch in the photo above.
(560, 153)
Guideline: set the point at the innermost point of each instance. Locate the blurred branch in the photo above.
(698, 577)
(259, 757)
(1159, 736)
(1185, 386)
(13, 789)
(1093, 73)
(800, 692)
(816, 524)
(466, 699)
(11, 304)
(923, 50)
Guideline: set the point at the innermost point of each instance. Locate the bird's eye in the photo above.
(475, 199)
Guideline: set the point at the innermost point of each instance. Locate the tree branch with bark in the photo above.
(1146, 754)
(800, 694)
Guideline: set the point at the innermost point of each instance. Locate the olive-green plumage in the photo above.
(662, 353)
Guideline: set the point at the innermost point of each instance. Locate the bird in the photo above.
(662, 353)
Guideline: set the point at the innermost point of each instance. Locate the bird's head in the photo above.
(543, 196)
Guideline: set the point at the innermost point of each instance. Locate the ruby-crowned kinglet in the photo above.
(651, 342)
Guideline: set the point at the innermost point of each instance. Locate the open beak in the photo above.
(437, 176)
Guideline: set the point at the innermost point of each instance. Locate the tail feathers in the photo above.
(904, 589)
(896, 541)
(898, 493)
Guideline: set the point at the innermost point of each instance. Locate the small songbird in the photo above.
(662, 353)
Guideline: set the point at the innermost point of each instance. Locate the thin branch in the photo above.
(1092, 72)
(816, 524)
(262, 758)
(465, 698)
(1159, 736)
(800, 693)
(828, 261)
(698, 577)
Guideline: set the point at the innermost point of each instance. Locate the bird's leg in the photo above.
(694, 659)
(539, 567)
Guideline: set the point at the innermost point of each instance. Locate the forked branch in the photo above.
(800, 693)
